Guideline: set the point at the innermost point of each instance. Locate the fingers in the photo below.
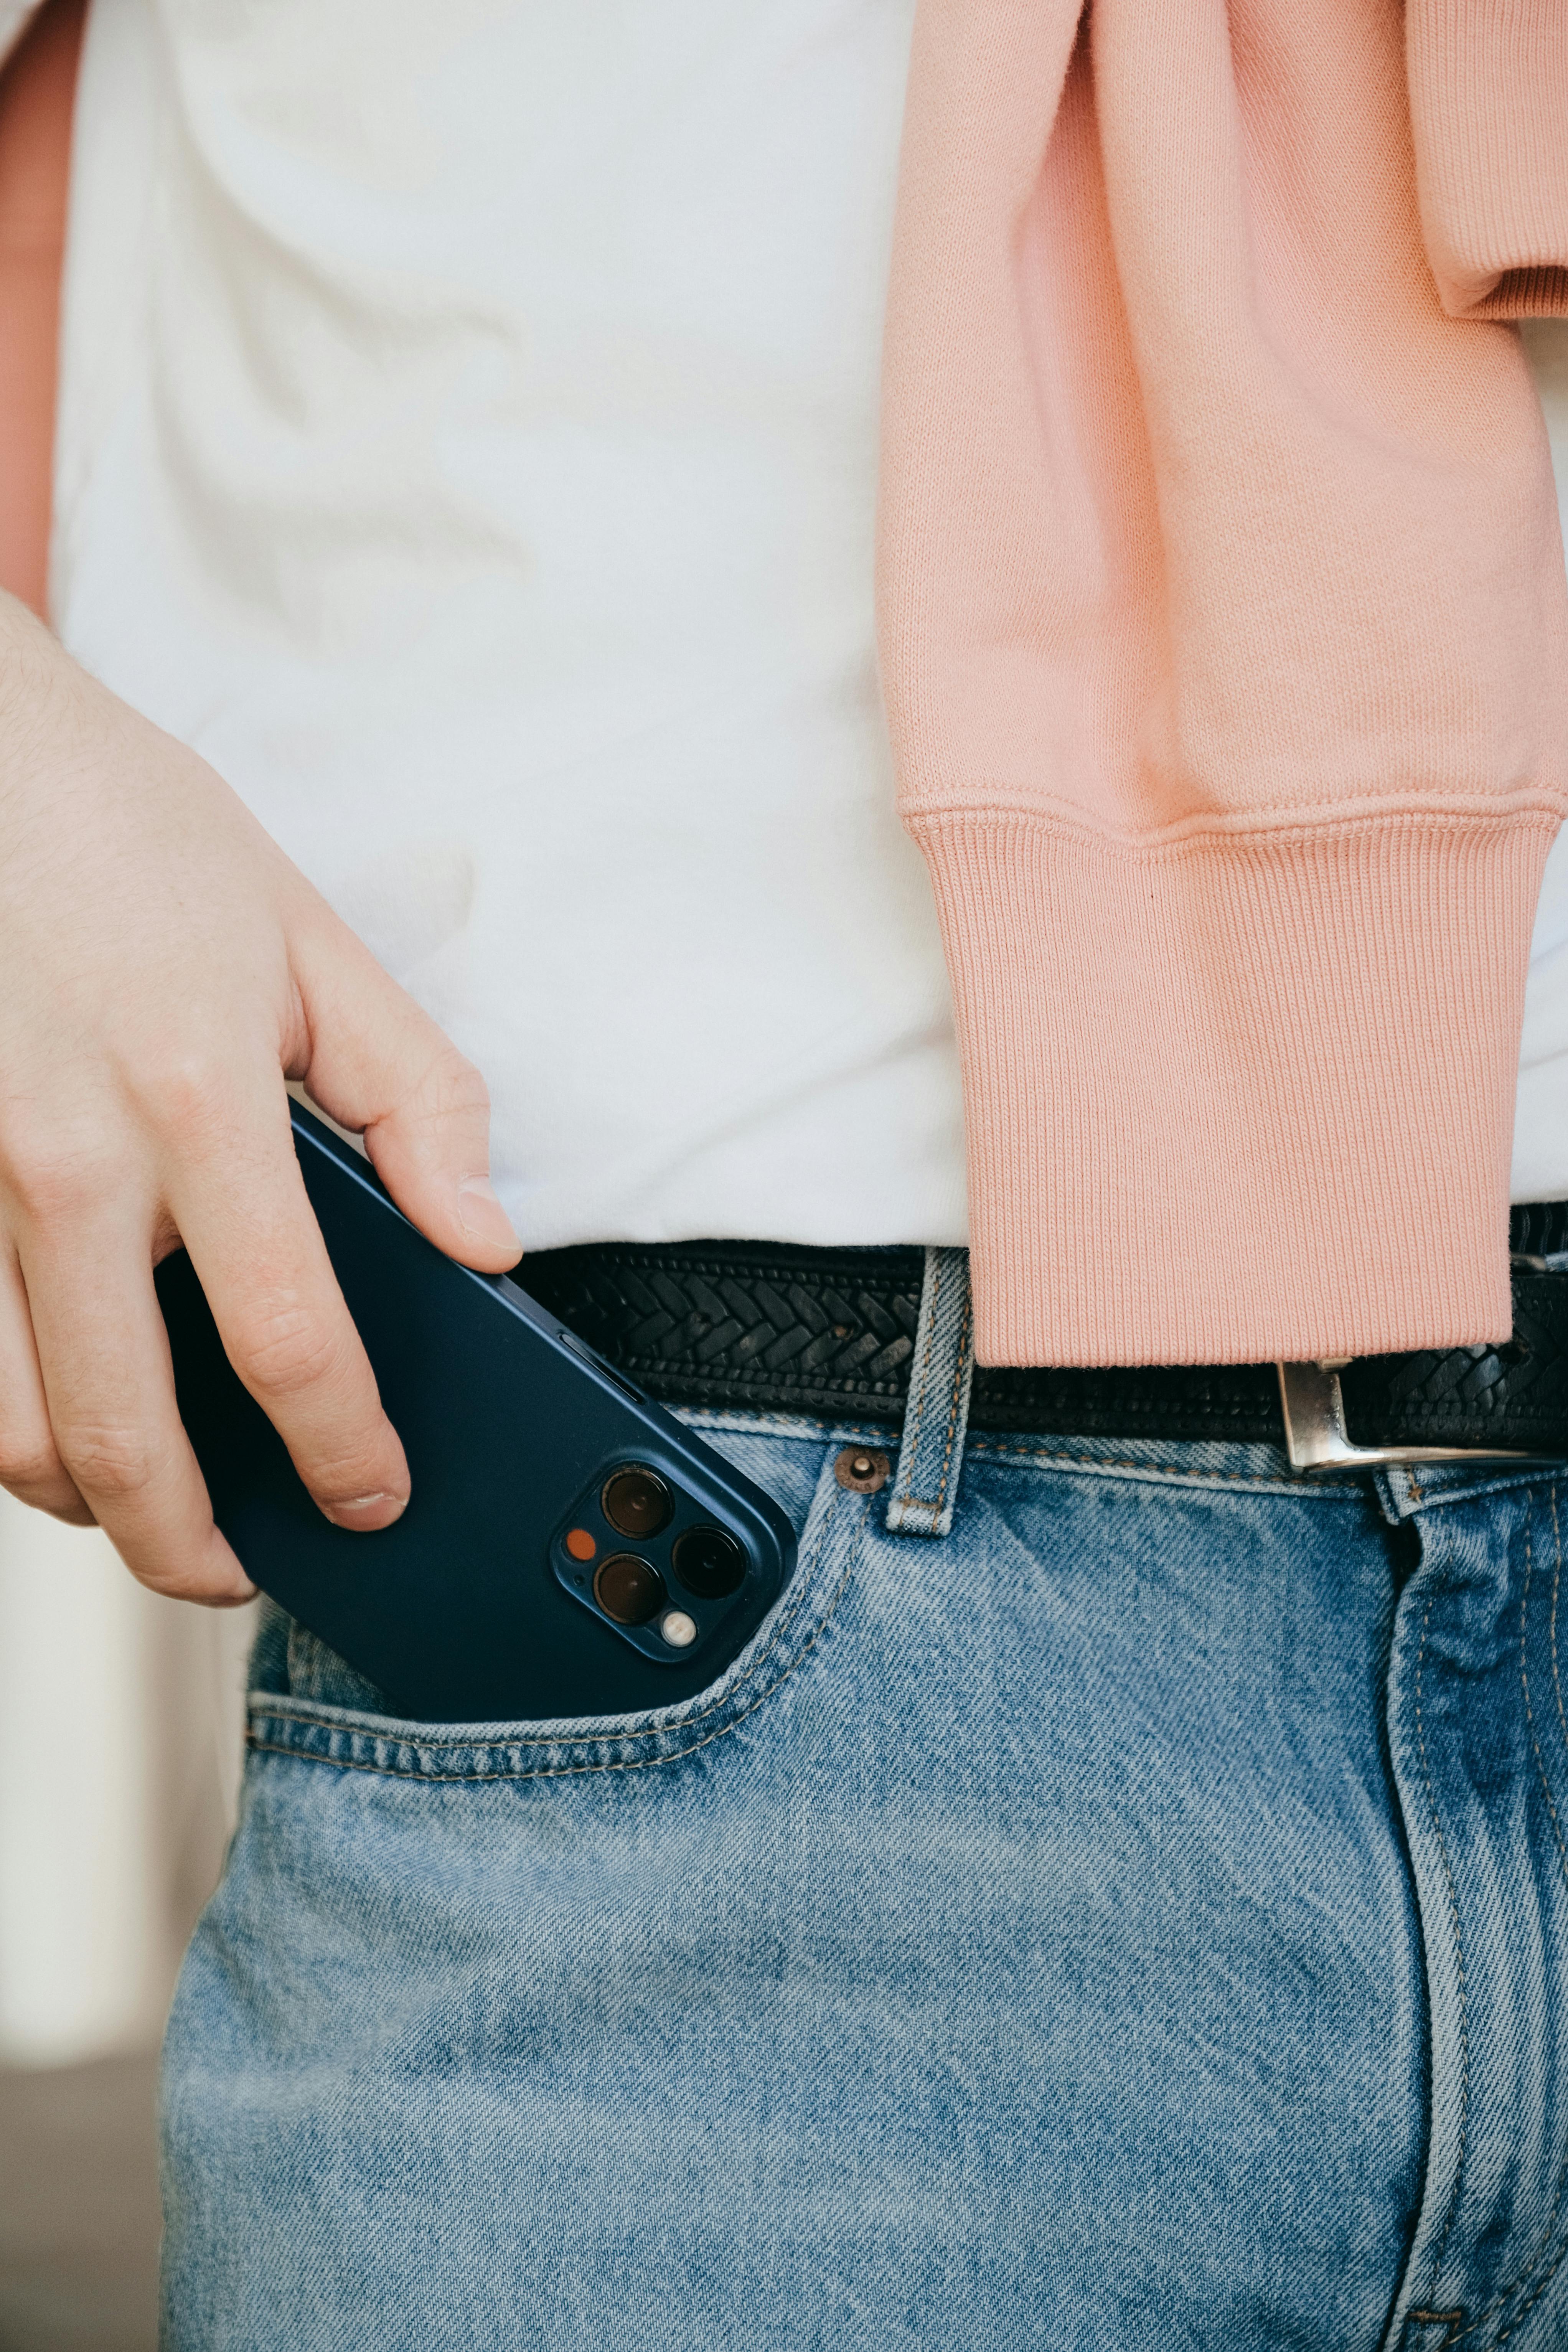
(104, 1358)
(240, 1204)
(380, 1067)
(30, 1464)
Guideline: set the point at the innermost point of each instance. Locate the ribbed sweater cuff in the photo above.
(1485, 96)
(1241, 1098)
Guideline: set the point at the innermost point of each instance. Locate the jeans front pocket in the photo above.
(320, 1709)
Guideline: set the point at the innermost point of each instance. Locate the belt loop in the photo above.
(936, 1416)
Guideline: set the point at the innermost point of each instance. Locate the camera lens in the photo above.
(708, 1562)
(636, 1501)
(628, 1588)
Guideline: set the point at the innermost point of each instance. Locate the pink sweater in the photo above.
(1225, 639)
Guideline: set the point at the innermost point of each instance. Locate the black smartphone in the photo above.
(569, 1548)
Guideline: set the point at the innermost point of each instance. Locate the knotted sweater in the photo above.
(1224, 645)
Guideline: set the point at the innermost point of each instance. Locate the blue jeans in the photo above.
(1137, 1919)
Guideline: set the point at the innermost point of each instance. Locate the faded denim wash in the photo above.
(1137, 1919)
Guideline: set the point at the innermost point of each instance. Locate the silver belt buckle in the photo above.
(1316, 1437)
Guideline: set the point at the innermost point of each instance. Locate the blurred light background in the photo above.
(118, 1712)
(121, 1725)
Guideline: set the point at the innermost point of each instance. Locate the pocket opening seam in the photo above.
(564, 1771)
(570, 1772)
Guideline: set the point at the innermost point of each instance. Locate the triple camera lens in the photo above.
(636, 1501)
(639, 1504)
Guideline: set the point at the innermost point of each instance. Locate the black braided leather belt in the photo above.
(770, 1326)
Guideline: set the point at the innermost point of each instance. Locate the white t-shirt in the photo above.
(467, 442)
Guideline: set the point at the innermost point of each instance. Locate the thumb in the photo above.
(378, 1064)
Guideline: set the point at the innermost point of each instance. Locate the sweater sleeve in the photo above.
(1488, 101)
(1224, 645)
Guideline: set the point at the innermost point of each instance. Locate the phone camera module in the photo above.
(636, 1501)
(708, 1562)
(629, 1589)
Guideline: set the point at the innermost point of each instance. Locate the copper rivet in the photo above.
(862, 1469)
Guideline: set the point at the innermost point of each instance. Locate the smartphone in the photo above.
(569, 1548)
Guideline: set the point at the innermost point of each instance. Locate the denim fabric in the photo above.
(936, 1417)
(1137, 1919)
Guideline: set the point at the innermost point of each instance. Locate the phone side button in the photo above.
(591, 1356)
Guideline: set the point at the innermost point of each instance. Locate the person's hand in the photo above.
(162, 969)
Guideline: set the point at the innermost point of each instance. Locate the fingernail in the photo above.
(237, 1589)
(356, 1508)
(483, 1218)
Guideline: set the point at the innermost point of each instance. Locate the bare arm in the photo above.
(163, 967)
